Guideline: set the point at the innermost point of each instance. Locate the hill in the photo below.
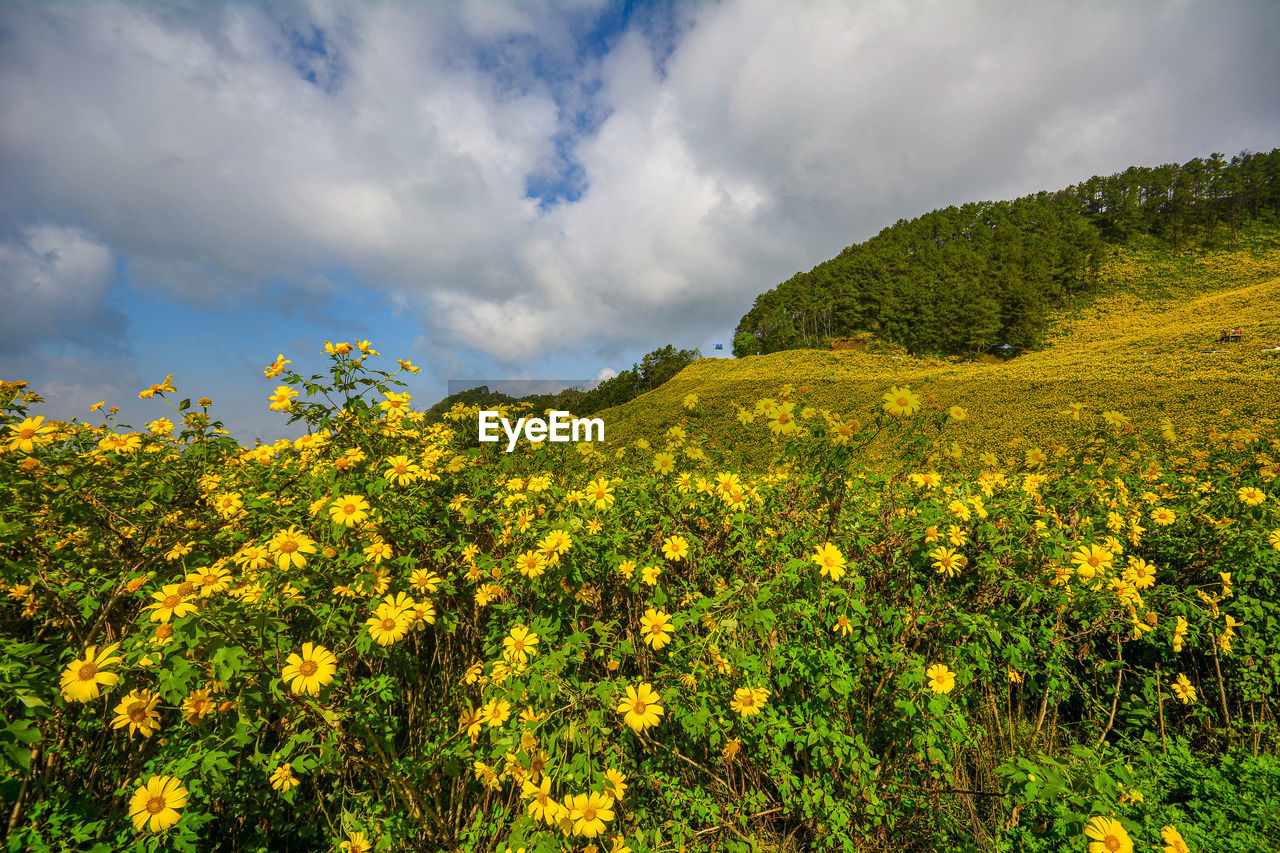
(1134, 346)
(970, 279)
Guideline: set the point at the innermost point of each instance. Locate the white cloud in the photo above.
(54, 282)
(190, 141)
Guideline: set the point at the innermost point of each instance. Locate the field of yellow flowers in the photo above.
(1136, 345)
(387, 636)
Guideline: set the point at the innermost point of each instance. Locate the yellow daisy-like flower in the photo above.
(843, 626)
(277, 366)
(290, 547)
(1184, 690)
(308, 672)
(749, 701)
(349, 510)
(590, 813)
(197, 706)
(137, 711)
(519, 645)
(83, 679)
(941, 679)
(531, 564)
(600, 493)
(282, 399)
(656, 627)
(958, 414)
(155, 805)
(616, 783)
(640, 708)
(388, 624)
(283, 780)
(1092, 560)
(664, 463)
(542, 806)
(1107, 836)
(1251, 495)
(1274, 539)
(1173, 841)
(675, 548)
(30, 434)
(1163, 516)
(901, 402)
(495, 712)
(356, 841)
(947, 562)
(170, 603)
(650, 574)
(831, 563)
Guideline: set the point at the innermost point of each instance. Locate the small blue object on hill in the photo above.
(719, 346)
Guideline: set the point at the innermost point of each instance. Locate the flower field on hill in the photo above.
(387, 636)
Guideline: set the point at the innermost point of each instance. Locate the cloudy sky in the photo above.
(533, 189)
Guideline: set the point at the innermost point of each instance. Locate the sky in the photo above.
(533, 189)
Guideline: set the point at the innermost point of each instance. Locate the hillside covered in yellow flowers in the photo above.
(1136, 346)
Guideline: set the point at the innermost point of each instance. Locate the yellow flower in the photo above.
(138, 712)
(1183, 689)
(842, 626)
(749, 701)
(349, 510)
(170, 603)
(83, 678)
(388, 624)
(1251, 496)
(356, 841)
(941, 679)
(283, 779)
(947, 562)
(30, 433)
(531, 564)
(290, 547)
(1107, 836)
(640, 707)
(197, 706)
(1091, 560)
(542, 806)
(650, 574)
(1163, 516)
(277, 366)
(675, 548)
(656, 628)
(958, 414)
(901, 402)
(308, 672)
(1115, 419)
(664, 463)
(831, 562)
(600, 492)
(1073, 410)
(1173, 842)
(495, 712)
(519, 645)
(282, 399)
(166, 385)
(590, 812)
(155, 805)
(616, 783)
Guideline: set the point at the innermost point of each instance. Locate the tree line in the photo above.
(968, 279)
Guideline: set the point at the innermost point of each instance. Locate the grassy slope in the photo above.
(1135, 348)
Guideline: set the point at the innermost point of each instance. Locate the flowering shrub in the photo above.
(385, 635)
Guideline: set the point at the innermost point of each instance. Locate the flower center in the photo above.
(308, 668)
(388, 624)
(27, 433)
(172, 601)
(639, 707)
(349, 509)
(137, 712)
(1112, 842)
(164, 632)
(589, 813)
(155, 805)
(186, 588)
(88, 670)
(288, 546)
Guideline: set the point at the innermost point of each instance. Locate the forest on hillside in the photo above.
(966, 280)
